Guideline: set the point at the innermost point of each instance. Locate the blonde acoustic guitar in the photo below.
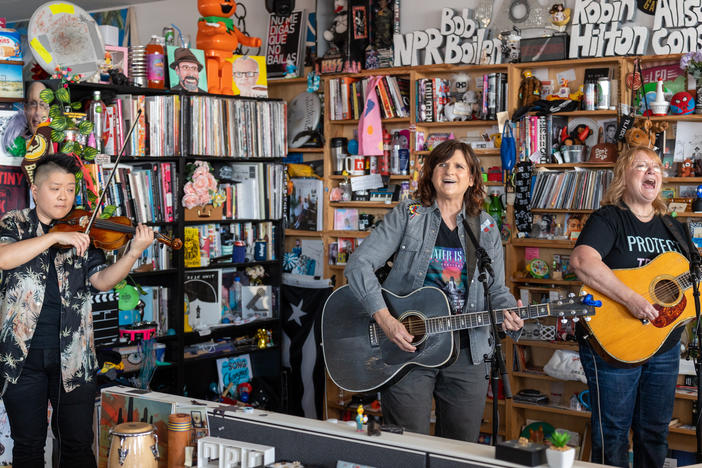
(666, 283)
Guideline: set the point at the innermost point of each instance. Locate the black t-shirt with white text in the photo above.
(623, 241)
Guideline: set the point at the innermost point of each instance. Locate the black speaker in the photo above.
(280, 7)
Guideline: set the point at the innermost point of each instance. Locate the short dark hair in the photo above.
(473, 198)
(53, 162)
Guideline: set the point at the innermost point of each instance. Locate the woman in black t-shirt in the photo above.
(629, 231)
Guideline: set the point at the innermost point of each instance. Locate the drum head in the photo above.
(131, 428)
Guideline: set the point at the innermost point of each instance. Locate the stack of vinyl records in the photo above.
(137, 66)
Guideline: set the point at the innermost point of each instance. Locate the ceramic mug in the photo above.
(355, 165)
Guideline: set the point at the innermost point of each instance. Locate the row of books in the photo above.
(157, 131)
(347, 97)
(433, 95)
(537, 135)
(254, 191)
(207, 243)
(142, 192)
(570, 190)
(239, 128)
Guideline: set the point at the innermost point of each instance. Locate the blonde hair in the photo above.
(616, 190)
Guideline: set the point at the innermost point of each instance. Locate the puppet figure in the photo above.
(219, 38)
(560, 15)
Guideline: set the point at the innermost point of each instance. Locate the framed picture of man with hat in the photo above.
(186, 69)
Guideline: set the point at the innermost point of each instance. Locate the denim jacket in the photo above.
(410, 230)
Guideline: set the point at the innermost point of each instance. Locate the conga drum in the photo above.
(133, 445)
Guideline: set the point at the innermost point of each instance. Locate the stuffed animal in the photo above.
(337, 33)
(577, 136)
(529, 89)
(643, 132)
(218, 36)
(687, 169)
(682, 103)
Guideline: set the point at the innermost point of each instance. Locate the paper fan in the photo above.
(61, 34)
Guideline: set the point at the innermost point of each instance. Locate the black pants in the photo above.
(72, 419)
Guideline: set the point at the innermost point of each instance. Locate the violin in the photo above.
(106, 234)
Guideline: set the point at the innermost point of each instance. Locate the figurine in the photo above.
(361, 419)
(529, 89)
(382, 26)
(337, 34)
(682, 103)
(290, 68)
(687, 169)
(560, 15)
(219, 38)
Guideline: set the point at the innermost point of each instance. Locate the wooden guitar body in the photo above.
(665, 282)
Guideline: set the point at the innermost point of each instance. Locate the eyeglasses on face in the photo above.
(643, 166)
(34, 105)
(249, 74)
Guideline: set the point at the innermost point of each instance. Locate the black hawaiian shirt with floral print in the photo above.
(22, 294)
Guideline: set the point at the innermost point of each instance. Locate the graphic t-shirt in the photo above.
(623, 241)
(447, 271)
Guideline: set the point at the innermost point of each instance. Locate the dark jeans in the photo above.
(459, 391)
(640, 398)
(72, 419)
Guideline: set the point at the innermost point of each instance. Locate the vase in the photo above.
(560, 458)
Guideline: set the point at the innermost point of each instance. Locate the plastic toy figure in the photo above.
(218, 36)
(337, 33)
(290, 69)
(560, 15)
(361, 419)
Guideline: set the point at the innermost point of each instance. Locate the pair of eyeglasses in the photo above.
(34, 105)
(645, 167)
(245, 74)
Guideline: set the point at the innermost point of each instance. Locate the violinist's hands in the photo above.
(79, 240)
(394, 330)
(512, 321)
(143, 237)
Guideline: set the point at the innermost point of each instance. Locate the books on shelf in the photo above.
(347, 97)
(433, 94)
(305, 205)
(205, 242)
(574, 190)
(235, 127)
(158, 130)
(253, 191)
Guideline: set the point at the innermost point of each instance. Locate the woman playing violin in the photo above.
(46, 332)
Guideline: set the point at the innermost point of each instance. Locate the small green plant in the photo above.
(62, 119)
(559, 439)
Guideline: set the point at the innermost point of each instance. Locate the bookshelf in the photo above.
(167, 146)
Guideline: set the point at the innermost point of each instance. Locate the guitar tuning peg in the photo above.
(571, 294)
(564, 321)
(587, 319)
(576, 319)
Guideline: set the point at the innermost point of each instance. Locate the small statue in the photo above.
(361, 419)
(560, 15)
(382, 22)
(529, 89)
(290, 68)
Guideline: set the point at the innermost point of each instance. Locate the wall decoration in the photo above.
(186, 69)
(459, 40)
(249, 76)
(285, 43)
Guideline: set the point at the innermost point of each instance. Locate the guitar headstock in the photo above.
(573, 307)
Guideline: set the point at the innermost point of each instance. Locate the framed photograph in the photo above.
(116, 58)
(249, 75)
(610, 131)
(186, 69)
(11, 85)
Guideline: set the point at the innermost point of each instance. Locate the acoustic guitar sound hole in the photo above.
(415, 326)
(666, 292)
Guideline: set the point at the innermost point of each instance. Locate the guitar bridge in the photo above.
(373, 337)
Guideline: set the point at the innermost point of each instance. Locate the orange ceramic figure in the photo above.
(218, 37)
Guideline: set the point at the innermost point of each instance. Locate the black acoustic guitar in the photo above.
(360, 358)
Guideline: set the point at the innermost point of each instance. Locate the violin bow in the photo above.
(112, 174)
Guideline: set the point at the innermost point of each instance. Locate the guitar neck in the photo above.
(480, 319)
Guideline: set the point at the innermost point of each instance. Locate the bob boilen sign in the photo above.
(459, 40)
(605, 29)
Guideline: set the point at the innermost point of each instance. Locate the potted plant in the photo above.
(560, 455)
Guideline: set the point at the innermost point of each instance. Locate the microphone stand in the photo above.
(695, 264)
(498, 370)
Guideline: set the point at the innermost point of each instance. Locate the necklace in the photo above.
(643, 216)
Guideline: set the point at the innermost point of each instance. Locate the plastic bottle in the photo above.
(236, 310)
(495, 209)
(395, 154)
(156, 63)
(384, 160)
(96, 114)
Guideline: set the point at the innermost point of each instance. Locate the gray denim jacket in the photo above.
(411, 229)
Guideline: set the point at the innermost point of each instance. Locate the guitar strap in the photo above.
(684, 240)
